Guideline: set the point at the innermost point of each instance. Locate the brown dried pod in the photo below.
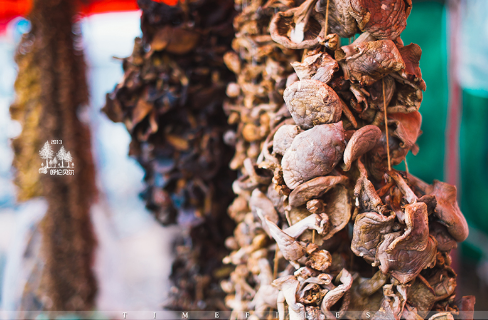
(314, 188)
(318, 66)
(312, 102)
(283, 138)
(385, 21)
(369, 61)
(313, 153)
(361, 142)
(298, 28)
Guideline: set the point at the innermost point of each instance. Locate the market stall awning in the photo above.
(11, 9)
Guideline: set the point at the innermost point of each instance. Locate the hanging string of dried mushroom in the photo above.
(355, 114)
(170, 100)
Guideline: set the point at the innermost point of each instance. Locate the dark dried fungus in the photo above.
(369, 61)
(444, 240)
(313, 153)
(314, 189)
(318, 66)
(312, 103)
(384, 19)
(283, 138)
(361, 142)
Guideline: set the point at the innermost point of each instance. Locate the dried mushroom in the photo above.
(312, 102)
(313, 153)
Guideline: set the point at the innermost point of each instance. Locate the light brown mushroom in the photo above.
(361, 142)
(291, 249)
(314, 188)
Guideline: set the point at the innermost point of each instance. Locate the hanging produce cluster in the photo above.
(325, 226)
(170, 101)
(51, 91)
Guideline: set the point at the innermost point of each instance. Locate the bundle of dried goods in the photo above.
(325, 226)
(170, 100)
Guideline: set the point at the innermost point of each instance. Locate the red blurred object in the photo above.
(11, 9)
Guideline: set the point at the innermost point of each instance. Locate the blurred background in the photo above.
(133, 257)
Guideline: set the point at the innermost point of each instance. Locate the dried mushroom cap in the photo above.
(375, 98)
(263, 207)
(416, 235)
(283, 138)
(407, 127)
(425, 292)
(341, 22)
(385, 21)
(288, 286)
(445, 242)
(361, 142)
(313, 153)
(320, 66)
(291, 249)
(369, 231)
(369, 61)
(366, 293)
(297, 28)
(406, 98)
(393, 303)
(411, 56)
(314, 188)
(447, 210)
(442, 316)
(312, 103)
(466, 305)
(402, 264)
(338, 209)
(176, 40)
(319, 260)
(334, 295)
(232, 61)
